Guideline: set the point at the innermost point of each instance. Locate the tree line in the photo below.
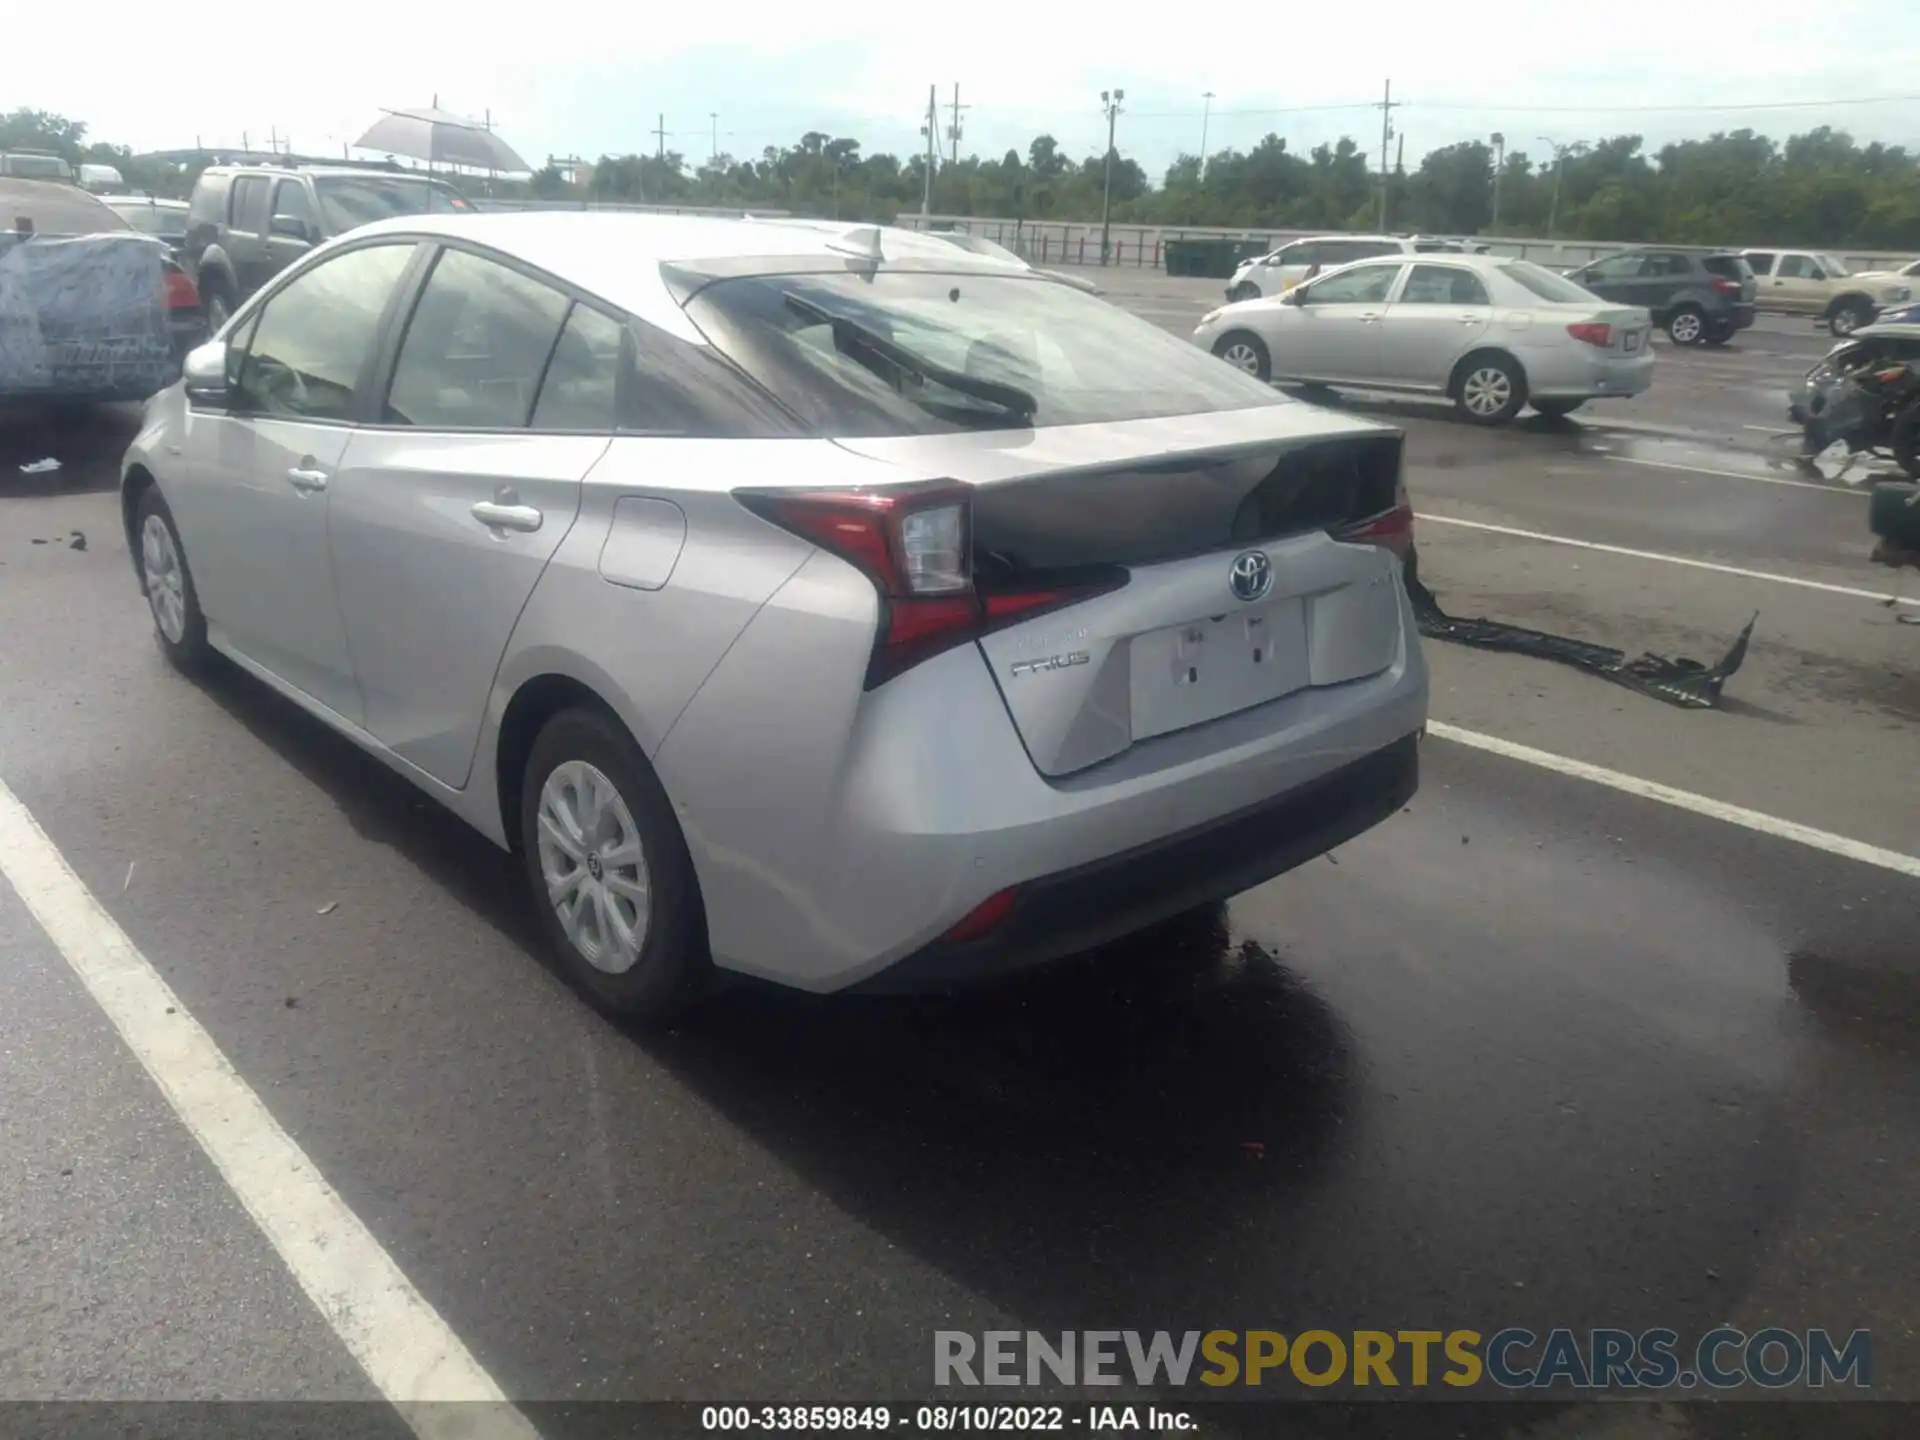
(1820, 188)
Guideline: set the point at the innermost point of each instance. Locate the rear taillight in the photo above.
(1592, 333)
(915, 543)
(1390, 529)
(181, 292)
(1726, 286)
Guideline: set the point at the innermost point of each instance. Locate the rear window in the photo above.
(1543, 282)
(55, 209)
(911, 353)
(150, 218)
(1729, 267)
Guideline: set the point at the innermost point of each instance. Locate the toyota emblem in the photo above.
(1251, 576)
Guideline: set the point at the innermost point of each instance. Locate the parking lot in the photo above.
(1551, 1048)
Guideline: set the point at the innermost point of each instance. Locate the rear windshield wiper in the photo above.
(856, 341)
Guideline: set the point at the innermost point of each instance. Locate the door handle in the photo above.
(307, 479)
(1369, 318)
(1469, 319)
(496, 516)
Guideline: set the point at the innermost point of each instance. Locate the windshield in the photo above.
(1834, 267)
(1548, 286)
(1079, 360)
(352, 200)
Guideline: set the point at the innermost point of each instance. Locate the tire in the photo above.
(1245, 290)
(1245, 351)
(179, 627)
(1557, 409)
(1848, 317)
(637, 944)
(1718, 335)
(1687, 326)
(1489, 388)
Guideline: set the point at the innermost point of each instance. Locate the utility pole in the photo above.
(1111, 100)
(953, 130)
(1559, 164)
(1206, 114)
(714, 153)
(1387, 107)
(933, 102)
(1499, 164)
(660, 138)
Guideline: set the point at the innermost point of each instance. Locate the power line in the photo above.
(1480, 107)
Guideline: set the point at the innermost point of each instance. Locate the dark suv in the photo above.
(247, 223)
(1698, 299)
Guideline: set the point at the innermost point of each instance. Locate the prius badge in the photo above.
(1251, 576)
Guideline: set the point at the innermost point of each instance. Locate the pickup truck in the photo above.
(1813, 282)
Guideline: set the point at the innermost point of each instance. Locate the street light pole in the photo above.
(1499, 164)
(1206, 114)
(1111, 99)
(1559, 165)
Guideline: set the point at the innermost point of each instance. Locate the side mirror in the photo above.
(205, 373)
(1296, 296)
(292, 227)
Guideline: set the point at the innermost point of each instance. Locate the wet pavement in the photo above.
(1534, 1052)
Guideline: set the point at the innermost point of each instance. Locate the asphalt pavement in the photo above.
(1554, 1047)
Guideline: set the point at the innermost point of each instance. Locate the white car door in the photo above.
(1329, 329)
(1439, 313)
(1799, 283)
(447, 510)
(253, 514)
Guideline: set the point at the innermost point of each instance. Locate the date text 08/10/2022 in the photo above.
(940, 1419)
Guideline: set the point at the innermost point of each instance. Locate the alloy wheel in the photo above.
(166, 579)
(1242, 356)
(1685, 328)
(594, 866)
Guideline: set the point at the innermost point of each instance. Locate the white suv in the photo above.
(1279, 271)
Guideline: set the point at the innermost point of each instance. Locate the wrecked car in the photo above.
(90, 308)
(1865, 393)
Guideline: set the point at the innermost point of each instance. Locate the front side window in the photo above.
(908, 352)
(290, 202)
(1301, 252)
(1363, 285)
(1615, 267)
(1443, 285)
(315, 334)
(475, 348)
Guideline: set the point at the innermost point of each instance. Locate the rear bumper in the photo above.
(1075, 910)
(1595, 378)
(1740, 317)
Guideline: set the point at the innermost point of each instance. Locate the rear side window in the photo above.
(1443, 285)
(1761, 261)
(1367, 249)
(250, 204)
(476, 347)
(581, 390)
(1556, 289)
(1667, 264)
(1727, 267)
(1799, 267)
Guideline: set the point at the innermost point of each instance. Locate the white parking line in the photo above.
(1826, 840)
(398, 1339)
(1685, 560)
(1738, 475)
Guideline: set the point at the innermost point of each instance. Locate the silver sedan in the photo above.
(1493, 334)
(825, 604)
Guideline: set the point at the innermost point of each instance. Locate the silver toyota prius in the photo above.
(795, 601)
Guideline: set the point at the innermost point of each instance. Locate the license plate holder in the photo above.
(1205, 669)
(1631, 344)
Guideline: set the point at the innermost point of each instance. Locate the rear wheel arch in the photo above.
(1475, 356)
(537, 701)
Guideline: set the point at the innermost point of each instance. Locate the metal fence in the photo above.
(1069, 242)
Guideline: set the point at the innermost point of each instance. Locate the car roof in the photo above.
(321, 171)
(55, 207)
(618, 255)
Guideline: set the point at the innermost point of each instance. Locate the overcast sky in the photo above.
(574, 76)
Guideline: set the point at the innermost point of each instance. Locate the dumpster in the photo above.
(1211, 258)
